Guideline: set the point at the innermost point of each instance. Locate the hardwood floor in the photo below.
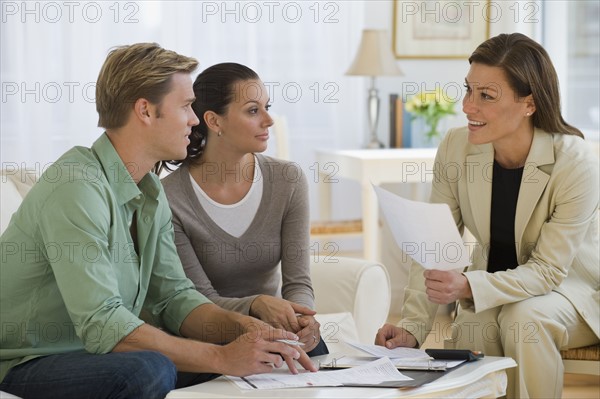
(580, 386)
(576, 386)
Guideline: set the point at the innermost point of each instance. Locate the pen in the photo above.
(249, 383)
(290, 342)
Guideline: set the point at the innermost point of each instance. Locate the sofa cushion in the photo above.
(10, 199)
(14, 186)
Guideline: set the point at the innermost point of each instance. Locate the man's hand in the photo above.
(279, 312)
(392, 337)
(252, 348)
(444, 287)
(258, 352)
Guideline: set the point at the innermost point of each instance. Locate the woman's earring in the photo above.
(528, 114)
(219, 133)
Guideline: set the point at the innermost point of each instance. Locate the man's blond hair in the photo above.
(141, 70)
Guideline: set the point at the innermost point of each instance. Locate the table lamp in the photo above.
(374, 58)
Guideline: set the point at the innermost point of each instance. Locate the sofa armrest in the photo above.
(14, 186)
(360, 287)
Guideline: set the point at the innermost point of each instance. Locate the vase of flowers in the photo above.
(430, 107)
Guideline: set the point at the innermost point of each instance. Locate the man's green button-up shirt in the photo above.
(71, 277)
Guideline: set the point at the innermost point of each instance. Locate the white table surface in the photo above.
(374, 166)
(484, 378)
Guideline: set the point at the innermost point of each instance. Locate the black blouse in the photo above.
(505, 192)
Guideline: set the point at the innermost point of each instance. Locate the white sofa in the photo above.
(350, 290)
(14, 185)
(352, 295)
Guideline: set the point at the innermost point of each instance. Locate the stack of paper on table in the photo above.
(380, 370)
(402, 358)
(372, 373)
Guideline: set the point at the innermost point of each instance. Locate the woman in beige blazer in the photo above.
(525, 184)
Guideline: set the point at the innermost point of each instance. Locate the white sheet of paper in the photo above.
(371, 373)
(425, 232)
(424, 364)
(396, 353)
(408, 364)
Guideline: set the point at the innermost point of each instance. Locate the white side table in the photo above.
(375, 166)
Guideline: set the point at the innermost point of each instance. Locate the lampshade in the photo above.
(374, 56)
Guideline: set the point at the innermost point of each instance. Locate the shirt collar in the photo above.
(118, 176)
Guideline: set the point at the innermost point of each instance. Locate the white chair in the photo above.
(582, 360)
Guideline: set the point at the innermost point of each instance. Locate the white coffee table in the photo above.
(485, 378)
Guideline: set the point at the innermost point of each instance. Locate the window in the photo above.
(583, 83)
(572, 37)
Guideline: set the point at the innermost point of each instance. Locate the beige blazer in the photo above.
(556, 226)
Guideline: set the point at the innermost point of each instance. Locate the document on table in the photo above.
(425, 232)
(402, 358)
(396, 353)
(401, 364)
(372, 373)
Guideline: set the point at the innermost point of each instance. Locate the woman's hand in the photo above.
(279, 312)
(392, 337)
(444, 287)
(310, 333)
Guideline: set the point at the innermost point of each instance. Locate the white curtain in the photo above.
(51, 53)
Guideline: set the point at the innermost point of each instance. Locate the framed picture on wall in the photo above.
(439, 28)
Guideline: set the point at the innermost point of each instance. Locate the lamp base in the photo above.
(374, 144)
(373, 114)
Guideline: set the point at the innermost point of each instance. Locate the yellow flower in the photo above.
(431, 106)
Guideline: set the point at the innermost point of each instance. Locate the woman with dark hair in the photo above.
(241, 219)
(527, 189)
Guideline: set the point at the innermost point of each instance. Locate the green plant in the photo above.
(431, 106)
